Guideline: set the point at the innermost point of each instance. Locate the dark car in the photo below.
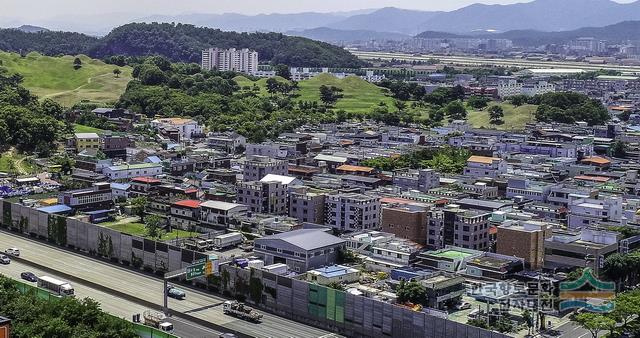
(29, 276)
(176, 293)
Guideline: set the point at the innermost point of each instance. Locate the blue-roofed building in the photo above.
(100, 216)
(333, 274)
(120, 190)
(409, 273)
(58, 209)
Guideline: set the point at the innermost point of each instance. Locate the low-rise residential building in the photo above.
(483, 166)
(301, 250)
(257, 167)
(422, 180)
(186, 128)
(263, 197)
(185, 214)
(127, 171)
(86, 141)
(589, 212)
(523, 239)
(218, 213)
(307, 207)
(443, 289)
(406, 221)
(333, 274)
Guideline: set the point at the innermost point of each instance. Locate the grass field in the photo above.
(359, 95)
(79, 128)
(14, 163)
(514, 117)
(55, 78)
(138, 229)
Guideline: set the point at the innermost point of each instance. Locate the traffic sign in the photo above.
(196, 270)
(208, 268)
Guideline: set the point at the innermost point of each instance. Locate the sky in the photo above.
(42, 9)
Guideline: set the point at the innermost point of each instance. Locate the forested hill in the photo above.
(179, 42)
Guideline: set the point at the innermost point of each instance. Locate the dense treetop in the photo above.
(179, 42)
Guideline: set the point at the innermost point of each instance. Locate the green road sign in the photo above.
(196, 270)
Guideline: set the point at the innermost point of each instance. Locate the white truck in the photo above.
(157, 320)
(195, 244)
(237, 309)
(227, 240)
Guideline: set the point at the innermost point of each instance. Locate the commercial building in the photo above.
(301, 250)
(406, 221)
(443, 289)
(257, 167)
(566, 250)
(513, 87)
(235, 60)
(99, 196)
(352, 212)
(523, 239)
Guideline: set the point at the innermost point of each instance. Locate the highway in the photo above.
(144, 288)
(111, 304)
(478, 61)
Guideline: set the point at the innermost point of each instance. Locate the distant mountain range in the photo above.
(340, 35)
(537, 15)
(31, 29)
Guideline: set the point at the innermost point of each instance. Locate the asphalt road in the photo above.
(114, 305)
(198, 304)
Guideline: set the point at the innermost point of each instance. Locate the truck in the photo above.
(237, 309)
(195, 244)
(58, 287)
(157, 320)
(227, 240)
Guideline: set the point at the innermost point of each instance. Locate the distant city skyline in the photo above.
(46, 9)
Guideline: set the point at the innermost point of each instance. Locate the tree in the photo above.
(528, 319)
(595, 322)
(153, 226)
(117, 72)
(478, 102)
(627, 306)
(619, 149)
(329, 95)
(455, 110)
(412, 291)
(77, 63)
(496, 113)
(283, 71)
(138, 206)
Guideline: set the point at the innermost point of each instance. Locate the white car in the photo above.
(13, 252)
(4, 259)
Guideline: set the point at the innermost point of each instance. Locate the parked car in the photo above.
(4, 259)
(29, 276)
(464, 306)
(176, 293)
(13, 252)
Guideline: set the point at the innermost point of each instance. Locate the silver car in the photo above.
(13, 252)
(4, 259)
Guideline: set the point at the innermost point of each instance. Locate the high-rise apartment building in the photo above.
(237, 60)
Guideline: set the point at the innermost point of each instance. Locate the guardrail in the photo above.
(142, 330)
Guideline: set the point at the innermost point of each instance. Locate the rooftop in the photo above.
(307, 239)
(451, 254)
(482, 159)
(219, 205)
(355, 168)
(188, 203)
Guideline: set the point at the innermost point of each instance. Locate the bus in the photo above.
(58, 287)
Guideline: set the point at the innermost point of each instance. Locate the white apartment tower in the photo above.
(237, 60)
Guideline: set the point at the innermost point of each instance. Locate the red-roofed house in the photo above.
(184, 214)
(596, 161)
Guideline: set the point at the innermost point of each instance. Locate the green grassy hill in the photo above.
(55, 78)
(359, 95)
(514, 117)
